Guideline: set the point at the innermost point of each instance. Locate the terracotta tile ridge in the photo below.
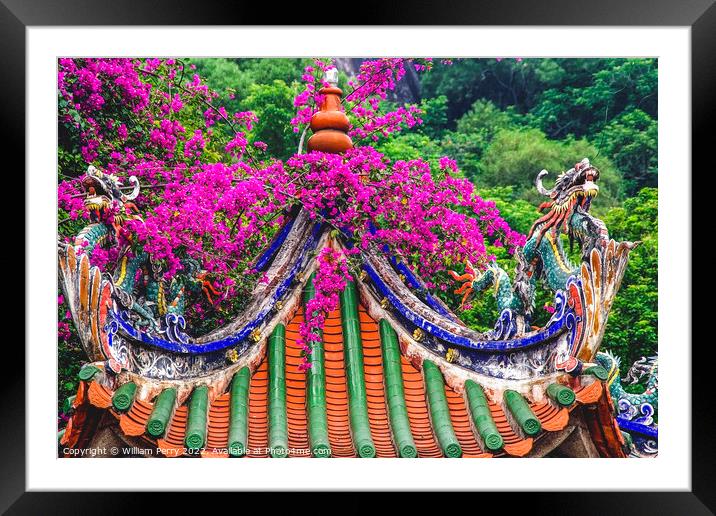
(99, 395)
(520, 448)
(589, 394)
(556, 421)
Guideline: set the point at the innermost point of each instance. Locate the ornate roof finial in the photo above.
(330, 125)
(331, 77)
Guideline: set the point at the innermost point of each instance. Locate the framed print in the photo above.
(391, 245)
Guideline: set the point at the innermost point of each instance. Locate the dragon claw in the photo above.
(467, 293)
(464, 287)
(467, 279)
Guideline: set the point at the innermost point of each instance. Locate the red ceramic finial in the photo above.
(330, 124)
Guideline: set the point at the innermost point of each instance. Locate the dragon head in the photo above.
(106, 199)
(103, 189)
(575, 186)
(573, 192)
(644, 367)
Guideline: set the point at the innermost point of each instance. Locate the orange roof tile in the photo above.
(133, 423)
(339, 434)
(99, 395)
(258, 413)
(135, 420)
(423, 435)
(589, 394)
(462, 425)
(552, 418)
(375, 391)
(514, 444)
(296, 394)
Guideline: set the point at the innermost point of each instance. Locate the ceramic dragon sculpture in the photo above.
(140, 287)
(134, 316)
(637, 407)
(637, 414)
(137, 282)
(543, 256)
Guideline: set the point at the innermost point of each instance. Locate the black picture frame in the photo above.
(700, 15)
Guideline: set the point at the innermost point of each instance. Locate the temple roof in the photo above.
(370, 400)
(396, 374)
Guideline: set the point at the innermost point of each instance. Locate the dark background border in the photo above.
(15, 15)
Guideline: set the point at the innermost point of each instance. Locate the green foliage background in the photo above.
(503, 121)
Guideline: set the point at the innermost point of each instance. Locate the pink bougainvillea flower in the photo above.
(212, 193)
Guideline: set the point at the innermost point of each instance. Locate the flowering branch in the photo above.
(204, 197)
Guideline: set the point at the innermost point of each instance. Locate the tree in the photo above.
(631, 140)
(435, 117)
(273, 106)
(505, 82)
(481, 313)
(515, 157)
(218, 130)
(632, 328)
(213, 194)
(411, 146)
(584, 108)
(474, 132)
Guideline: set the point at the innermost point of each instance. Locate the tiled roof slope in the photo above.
(410, 409)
